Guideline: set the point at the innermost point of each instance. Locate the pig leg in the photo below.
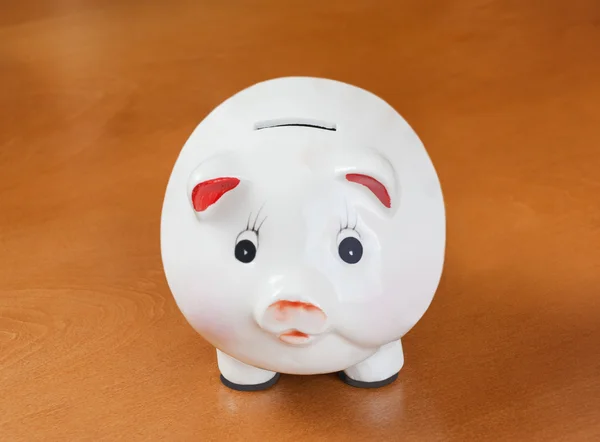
(377, 371)
(243, 377)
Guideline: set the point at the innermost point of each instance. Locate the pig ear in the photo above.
(207, 193)
(375, 174)
(209, 182)
(376, 187)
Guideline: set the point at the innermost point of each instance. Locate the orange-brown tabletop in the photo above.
(96, 101)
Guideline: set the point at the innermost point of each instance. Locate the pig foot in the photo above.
(243, 377)
(377, 371)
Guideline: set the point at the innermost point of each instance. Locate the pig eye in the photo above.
(245, 251)
(246, 246)
(350, 248)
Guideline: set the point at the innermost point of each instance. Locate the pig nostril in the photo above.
(285, 311)
(284, 305)
(281, 315)
(293, 321)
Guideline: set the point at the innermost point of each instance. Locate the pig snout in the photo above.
(293, 321)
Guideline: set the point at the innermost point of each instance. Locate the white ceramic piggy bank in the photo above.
(303, 232)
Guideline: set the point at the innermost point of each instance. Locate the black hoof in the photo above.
(255, 387)
(361, 384)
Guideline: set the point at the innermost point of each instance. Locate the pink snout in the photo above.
(294, 322)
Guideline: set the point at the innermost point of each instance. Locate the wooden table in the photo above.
(96, 100)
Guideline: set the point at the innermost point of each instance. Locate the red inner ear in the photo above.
(373, 185)
(207, 193)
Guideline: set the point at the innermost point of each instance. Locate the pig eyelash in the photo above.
(346, 225)
(253, 226)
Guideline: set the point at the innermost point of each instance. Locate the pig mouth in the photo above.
(295, 337)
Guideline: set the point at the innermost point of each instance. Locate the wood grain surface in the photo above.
(98, 97)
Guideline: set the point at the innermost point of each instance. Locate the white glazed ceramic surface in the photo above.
(300, 174)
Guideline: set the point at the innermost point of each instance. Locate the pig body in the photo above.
(303, 232)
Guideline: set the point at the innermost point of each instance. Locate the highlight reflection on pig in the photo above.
(303, 232)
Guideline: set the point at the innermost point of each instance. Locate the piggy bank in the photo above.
(303, 232)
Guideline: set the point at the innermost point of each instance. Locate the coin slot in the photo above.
(295, 122)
